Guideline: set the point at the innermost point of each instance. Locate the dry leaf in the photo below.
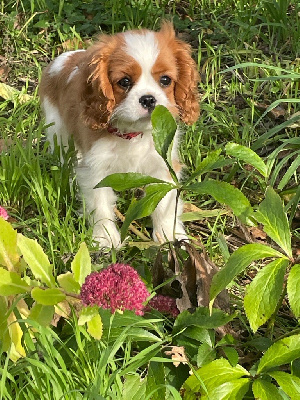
(177, 354)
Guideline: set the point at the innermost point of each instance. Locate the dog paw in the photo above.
(107, 239)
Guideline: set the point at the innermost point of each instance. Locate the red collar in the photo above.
(116, 132)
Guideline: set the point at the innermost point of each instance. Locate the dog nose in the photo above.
(148, 102)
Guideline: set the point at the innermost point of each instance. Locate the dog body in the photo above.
(103, 97)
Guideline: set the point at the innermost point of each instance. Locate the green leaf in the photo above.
(224, 193)
(145, 206)
(47, 297)
(207, 164)
(86, 314)
(95, 327)
(5, 339)
(202, 318)
(36, 259)
(11, 283)
(290, 384)
(264, 292)
(155, 377)
(205, 354)
(164, 129)
(237, 263)
(282, 352)
(289, 173)
(42, 314)
(68, 283)
(233, 390)
(293, 289)
(232, 355)
(81, 265)
(264, 390)
(247, 155)
(134, 388)
(213, 375)
(271, 214)
(125, 181)
(9, 256)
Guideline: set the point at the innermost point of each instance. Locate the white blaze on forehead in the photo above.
(142, 47)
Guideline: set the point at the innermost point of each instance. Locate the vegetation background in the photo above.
(248, 58)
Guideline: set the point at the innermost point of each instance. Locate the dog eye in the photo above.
(125, 83)
(165, 80)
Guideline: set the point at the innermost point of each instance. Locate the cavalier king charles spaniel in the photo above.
(104, 97)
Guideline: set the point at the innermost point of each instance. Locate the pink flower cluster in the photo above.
(117, 287)
(163, 304)
(3, 213)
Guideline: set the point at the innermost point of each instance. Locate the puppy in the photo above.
(104, 97)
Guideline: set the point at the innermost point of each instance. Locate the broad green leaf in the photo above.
(212, 375)
(202, 318)
(11, 283)
(264, 292)
(36, 259)
(86, 314)
(134, 388)
(233, 390)
(247, 155)
(4, 332)
(237, 263)
(164, 128)
(231, 354)
(125, 181)
(224, 193)
(47, 297)
(81, 265)
(282, 352)
(271, 214)
(95, 327)
(290, 384)
(68, 283)
(205, 355)
(155, 377)
(145, 206)
(264, 390)
(42, 314)
(9, 256)
(293, 289)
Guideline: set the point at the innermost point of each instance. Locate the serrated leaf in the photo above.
(164, 128)
(9, 256)
(11, 283)
(202, 318)
(282, 352)
(290, 384)
(233, 390)
(264, 292)
(264, 390)
(47, 297)
(247, 155)
(237, 263)
(36, 259)
(293, 289)
(86, 314)
(68, 283)
(145, 206)
(125, 181)
(81, 266)
(271, 214)
(213, 375)
(95, 327)
(225, 193)
(42, 314)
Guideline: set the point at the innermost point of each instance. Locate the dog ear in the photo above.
(98, 98)
(186, 87)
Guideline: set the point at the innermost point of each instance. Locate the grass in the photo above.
(252, 105)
